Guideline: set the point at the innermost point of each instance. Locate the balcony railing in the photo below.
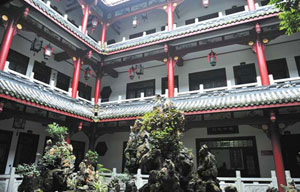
(10, 182)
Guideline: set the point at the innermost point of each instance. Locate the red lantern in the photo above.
(131, 72)
(87, 74)
(205, 3)
(48, 51)
(212, 58)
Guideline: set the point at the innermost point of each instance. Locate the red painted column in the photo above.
(97, 88)
(171, 76)
(68, 140)
(76, 76)
(275, 138)
(251, 5)
(85, 18)
(262, 65)
(170, 16)
(6, 43)
(103, 33)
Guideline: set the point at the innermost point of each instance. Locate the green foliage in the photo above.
(57, 132)
(290, 15)
(102, 169)
(165, 127)
(92, 157)
(27, 170)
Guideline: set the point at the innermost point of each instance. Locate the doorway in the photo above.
(26, 149)
(78, 151)
(291, 153)
(5, 141)
(232, 154)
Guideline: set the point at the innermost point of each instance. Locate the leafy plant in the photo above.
(290, 15)
(57, 132)
(27, 170)
(102, 169)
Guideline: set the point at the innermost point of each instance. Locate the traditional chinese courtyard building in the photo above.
(96, 65)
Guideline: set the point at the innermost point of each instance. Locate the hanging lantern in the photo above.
(139, 70)
(212, 58)
(36, 45)
(131, 72)
(87, 74)
(135, 22)
(205, 3)
(94, 24)
(48, 51)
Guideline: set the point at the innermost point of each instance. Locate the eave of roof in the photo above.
(29, 93)
(156, 38)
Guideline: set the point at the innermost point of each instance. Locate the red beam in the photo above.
(97, 88)
(262, 65)
(44, 107)
(76, 76)
(85, 18)
(103, 33)
(251, 5)
(275, 139)
(171, 65)
(195, 33)
(6, 43)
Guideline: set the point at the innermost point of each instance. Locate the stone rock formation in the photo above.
(155, 147)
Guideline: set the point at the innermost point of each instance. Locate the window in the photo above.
(111, 41)
(42, 72)
(17, 62)
(234, 9)
(134, 90)
(189, 21)
(163, 28)
(210, 16)
(244, 74)
(278, 68)
(209, 79)
(136, 35)
(237, 153)
(164, 84)
(63, 81)
(84, 91)
(297, 59)
(150, 31)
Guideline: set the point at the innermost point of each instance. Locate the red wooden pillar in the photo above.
(170, 10)
(262, 65)
(85, 18)
(275, 139)
(103, 33)
(68, 140)
(171, 64)
(76, 76)
(97, 88)
(261, 59)
(251, 5)
(6, 42)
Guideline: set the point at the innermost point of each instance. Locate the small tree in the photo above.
(290, 15)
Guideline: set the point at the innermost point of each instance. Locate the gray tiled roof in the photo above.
(205, 102)
(193, 28)
(38, 94)
(23, 89)
(159, 36)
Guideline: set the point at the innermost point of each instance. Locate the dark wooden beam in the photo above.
(111, 72)
(61, 56)
(73, 8)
